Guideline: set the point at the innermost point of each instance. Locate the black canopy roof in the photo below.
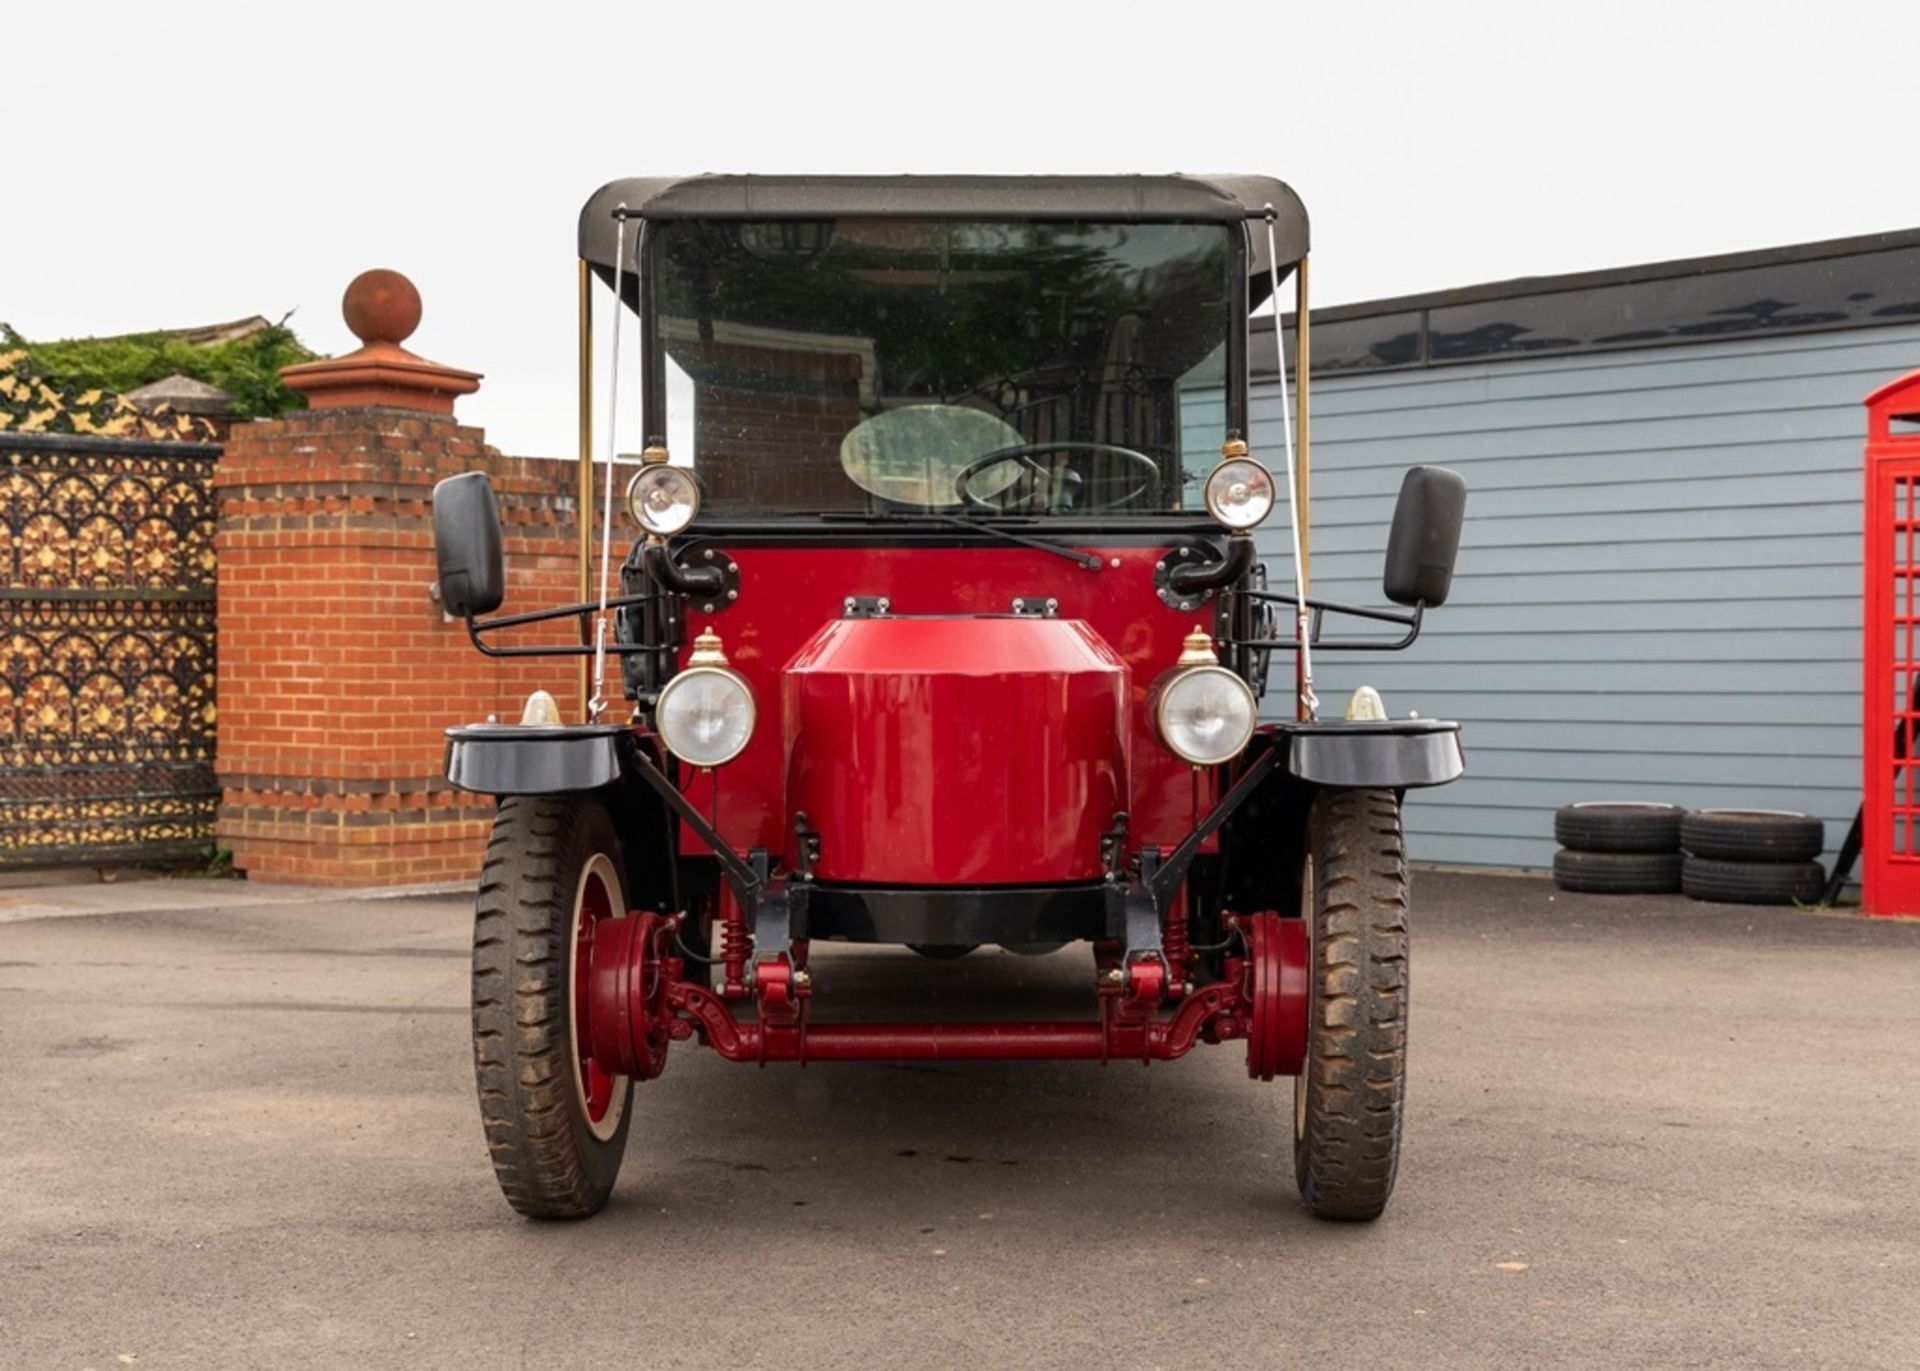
(1205, 199)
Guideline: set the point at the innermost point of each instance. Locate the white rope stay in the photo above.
(599, 701)
(1303, 619)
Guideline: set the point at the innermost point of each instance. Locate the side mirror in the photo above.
(1426, 536)
(466, 544)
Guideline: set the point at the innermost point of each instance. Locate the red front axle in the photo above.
(638, 1002)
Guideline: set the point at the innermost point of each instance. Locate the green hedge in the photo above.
(248, 368)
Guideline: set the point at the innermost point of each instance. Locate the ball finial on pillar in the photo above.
(381, 306)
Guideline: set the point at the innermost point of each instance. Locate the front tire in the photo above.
(1348, 1100)
(556, 1123)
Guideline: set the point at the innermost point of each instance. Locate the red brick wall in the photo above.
(337, 671)
(768, 422)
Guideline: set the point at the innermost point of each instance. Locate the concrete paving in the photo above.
(237, 1128)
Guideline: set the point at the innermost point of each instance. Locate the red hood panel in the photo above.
(956, 750)
(788, 593)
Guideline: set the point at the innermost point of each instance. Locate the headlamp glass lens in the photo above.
(1207, 715)
(1240, 493)
(705, 715)
(663, 499)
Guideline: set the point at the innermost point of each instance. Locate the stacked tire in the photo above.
(1618, 848)
(1752, 856)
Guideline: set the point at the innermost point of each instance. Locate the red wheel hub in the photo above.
(627, 1019)
(1277, 984)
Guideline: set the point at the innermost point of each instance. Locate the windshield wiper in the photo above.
(902, 516)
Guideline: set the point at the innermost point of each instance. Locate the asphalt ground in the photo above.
(238, 1128)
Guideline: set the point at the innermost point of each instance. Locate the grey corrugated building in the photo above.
(1659, 586)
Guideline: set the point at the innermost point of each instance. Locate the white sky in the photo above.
(179, 163)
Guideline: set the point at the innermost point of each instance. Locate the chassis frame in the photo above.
(1134, 917)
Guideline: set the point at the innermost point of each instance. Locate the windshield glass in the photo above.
(972, 367)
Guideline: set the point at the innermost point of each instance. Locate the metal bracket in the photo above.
(702, 580)
(1163, 878)
(1317, 610)
(806, 848)
(1143, 913)
(1133, 915)
(866, 607)
(1035, 606)
(749, 881)
(721, 599)
(772, 914)
(1133, 984)
(1190, 555)
(1262, 623)
(583, 612)
(1113, 849)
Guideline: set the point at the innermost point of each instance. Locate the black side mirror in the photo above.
(1426, 536)
(466, 544)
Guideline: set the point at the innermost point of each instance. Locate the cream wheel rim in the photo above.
(600, 1095)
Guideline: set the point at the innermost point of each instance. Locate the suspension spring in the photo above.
(735, 946)
(1177, 946)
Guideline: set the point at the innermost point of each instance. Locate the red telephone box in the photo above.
(1890, 809)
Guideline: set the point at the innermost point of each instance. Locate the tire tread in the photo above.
(548, 1167)
(1346, 1160)
(1617, 873)
(1771, 883)
(1618, 827)
(1732, 835)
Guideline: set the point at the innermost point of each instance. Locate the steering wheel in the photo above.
(1024, 453)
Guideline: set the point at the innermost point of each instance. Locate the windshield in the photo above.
(959, 367)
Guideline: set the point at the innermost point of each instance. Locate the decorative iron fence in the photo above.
(106, 649)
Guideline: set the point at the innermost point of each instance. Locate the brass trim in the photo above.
(1197, 649)
(707, 650)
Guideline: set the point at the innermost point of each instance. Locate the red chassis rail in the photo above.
(637, 1002)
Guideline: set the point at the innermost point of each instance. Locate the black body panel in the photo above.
(1227, 199)
(989, 914)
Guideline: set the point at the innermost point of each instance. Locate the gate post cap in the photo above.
(381, 306)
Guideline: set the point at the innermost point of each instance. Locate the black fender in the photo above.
(1262, 842)
(603, 760)
(538, 759)
(1374, 754)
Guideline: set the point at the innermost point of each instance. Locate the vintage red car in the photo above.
(944, 628)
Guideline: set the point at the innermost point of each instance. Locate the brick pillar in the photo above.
(338, 671)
